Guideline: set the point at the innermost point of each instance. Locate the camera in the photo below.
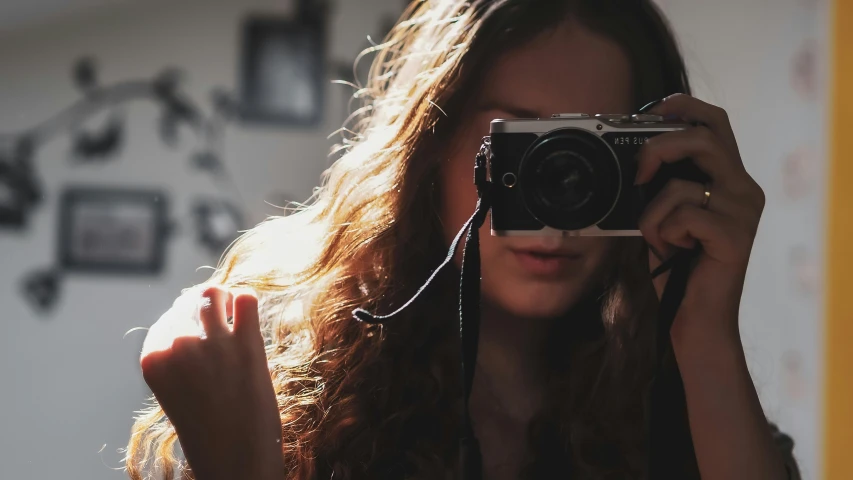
(573, 174)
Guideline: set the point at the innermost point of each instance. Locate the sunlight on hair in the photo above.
(364, 239)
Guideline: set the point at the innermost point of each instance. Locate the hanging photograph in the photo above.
(112, 231)
(283, 69)
(20, 189)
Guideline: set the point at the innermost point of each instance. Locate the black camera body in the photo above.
(573, 174)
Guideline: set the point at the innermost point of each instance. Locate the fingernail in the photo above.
(650, 105)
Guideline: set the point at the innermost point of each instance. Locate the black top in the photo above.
(785, 444)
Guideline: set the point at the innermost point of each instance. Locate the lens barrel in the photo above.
(570, 179)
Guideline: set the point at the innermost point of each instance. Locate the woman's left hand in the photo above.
(725, 226)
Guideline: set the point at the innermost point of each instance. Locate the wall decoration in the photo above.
(117, 231)
(218, 223)
(794, 384)
(114, 231)
(41, 289)
(94, 145)
(103, 230)
(20, 190)
(283, 67)
(106, 230)
(805, 270)
(99, 145)
(19, 185)
(798, 173)
(804, 70)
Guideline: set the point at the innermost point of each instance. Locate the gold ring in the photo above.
(707, 198)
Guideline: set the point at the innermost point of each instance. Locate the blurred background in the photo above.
(137, 137)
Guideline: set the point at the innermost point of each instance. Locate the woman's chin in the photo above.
(539, 311)
(535, 302)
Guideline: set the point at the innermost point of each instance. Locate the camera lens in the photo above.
(570, 179)
(565, 180)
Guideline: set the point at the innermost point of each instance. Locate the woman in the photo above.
(567, 329)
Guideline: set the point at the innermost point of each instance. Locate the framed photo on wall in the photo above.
(113, 231)
(282, 78)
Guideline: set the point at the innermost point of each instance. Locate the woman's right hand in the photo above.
(212, 381)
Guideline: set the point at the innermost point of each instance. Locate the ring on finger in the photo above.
(706, 199)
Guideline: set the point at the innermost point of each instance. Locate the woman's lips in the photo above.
(544, 263)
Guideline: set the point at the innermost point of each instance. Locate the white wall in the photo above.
(70, 382)
(741, 55)
(16, 14)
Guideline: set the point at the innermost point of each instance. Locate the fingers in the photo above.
(676, 193)
(212, 311)
(721, 238)
(676, 216)
(698, 144)
(246, 319)
(198, 316)
(181, 320)
(693, 110)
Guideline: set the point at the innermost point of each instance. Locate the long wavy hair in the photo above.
(376, 402)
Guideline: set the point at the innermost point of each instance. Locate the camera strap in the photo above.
(469, 326)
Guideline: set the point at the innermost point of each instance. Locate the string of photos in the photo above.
(110, 230)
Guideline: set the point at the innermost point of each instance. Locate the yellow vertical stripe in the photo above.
(838, 414)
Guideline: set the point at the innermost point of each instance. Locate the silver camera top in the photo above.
(614, 118)
(600, 122)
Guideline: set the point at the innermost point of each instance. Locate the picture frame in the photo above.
(283, 69)
(119, 231)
